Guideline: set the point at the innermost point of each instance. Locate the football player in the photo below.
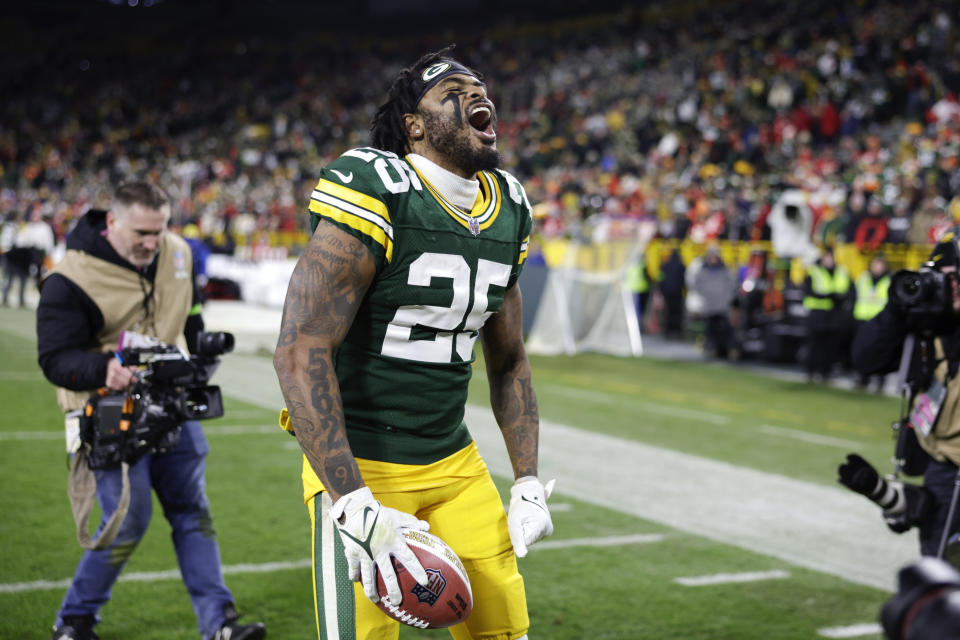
(417, 246)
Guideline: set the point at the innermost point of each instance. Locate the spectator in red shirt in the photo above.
(872, 230)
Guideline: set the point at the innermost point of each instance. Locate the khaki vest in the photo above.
(943, 443)
(119, 294)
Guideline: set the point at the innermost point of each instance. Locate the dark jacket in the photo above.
(878, 343)
(68, 319)
(877, 348)
(673, 276)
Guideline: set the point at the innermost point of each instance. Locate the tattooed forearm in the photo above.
(325, 291)
(515, 407)
(512, 396)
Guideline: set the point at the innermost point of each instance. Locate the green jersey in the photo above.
(405, 363)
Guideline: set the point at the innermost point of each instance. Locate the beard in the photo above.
(449, 137)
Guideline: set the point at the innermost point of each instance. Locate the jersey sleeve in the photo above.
(517, 196)
(347, 195)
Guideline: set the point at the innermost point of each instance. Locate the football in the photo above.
(445, 601)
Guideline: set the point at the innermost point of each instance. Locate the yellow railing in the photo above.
(613, 255)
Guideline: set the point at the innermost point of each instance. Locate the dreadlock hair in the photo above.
(387, 130)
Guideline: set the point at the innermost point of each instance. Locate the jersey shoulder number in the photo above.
(354, 192)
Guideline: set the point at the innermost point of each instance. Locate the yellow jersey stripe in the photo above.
(361, 200)
(496, 198)
(524, 247)
(356, 220)
(319, 198)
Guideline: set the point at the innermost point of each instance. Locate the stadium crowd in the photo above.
(694, 116)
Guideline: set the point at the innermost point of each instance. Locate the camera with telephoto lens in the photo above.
(171, 387)
(924, 295)
(904, 505)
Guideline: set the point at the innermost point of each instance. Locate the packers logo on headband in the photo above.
(436, 72)
(433, 71)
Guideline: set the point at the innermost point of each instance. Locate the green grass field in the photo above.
(625, 590)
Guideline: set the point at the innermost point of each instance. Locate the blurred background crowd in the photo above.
(693, 118)
(695, 113)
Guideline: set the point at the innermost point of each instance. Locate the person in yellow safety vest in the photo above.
(872, 288)
(638, 283)
(827, 298)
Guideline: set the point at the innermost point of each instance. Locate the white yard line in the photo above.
(31, 435)
(823, 528)
(806, 436)
(610, 541)
(852, 631)
(271, 567)
(732, 578)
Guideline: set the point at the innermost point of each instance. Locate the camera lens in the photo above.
(214, 343)
(908, 288)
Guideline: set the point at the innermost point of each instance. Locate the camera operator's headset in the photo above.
(82, 487)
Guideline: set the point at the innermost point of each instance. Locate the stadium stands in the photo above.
(694, 116)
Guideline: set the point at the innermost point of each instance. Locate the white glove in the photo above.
(371, 535)
(528, 519)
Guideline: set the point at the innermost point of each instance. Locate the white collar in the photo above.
(459, 191)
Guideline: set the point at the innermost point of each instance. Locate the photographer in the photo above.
(925, 306)
(123, 271)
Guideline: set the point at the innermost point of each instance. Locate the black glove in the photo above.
(859, 475)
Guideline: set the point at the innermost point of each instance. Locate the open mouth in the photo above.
(481, 118)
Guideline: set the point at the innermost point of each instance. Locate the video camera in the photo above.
(171, 387)
(924, 296)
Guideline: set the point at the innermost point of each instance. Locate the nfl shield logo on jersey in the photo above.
(435, 585)
(474, 227)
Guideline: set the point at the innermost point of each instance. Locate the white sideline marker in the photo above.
(806, 436)
(269, 567)
(610, 541)
(730, 578)
(853, 631)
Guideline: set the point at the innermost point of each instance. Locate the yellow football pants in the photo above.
(458, 498)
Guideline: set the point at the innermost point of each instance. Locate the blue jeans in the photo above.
(178, 479)
(939, 478)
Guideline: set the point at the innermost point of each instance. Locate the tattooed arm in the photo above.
(325, 291)
(511, 391)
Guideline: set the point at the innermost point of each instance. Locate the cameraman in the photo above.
(877, 348)
(124, 271)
